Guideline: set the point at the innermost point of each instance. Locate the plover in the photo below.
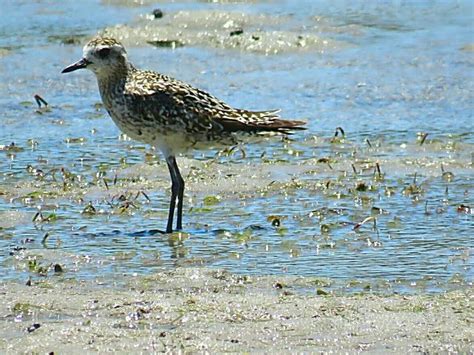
(169, 114)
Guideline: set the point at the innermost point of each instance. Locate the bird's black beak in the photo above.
(81, 64)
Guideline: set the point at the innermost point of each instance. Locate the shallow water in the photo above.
(404, 70)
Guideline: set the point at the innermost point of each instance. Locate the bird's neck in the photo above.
(114, 76)
(112, 81)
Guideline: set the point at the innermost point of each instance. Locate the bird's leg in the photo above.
(180, 190)
(177, 191)
(171, 162)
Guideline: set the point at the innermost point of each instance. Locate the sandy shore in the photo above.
(197, 309)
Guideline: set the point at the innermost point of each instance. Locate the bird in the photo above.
(168, 114)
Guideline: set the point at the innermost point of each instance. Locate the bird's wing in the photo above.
(181, 105)
(188, 107)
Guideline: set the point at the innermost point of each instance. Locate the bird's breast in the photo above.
(124, 118)
(169, 131)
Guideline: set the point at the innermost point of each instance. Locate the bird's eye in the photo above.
(103, 53)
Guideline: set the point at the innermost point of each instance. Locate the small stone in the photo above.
(58, 268)
(236, 32)
(33, 327)
(157, 13)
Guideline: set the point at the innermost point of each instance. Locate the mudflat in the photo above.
(198, 309)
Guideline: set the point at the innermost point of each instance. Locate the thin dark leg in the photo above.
(177, 192)
(171, 162)
(180, 190)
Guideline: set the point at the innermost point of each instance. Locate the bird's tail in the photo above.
(265, 121)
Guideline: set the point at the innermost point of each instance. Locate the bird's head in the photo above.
(101, 55)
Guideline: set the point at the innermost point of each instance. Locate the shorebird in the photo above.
(169, 114)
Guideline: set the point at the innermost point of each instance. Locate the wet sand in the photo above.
(197, 309)
(112, 293)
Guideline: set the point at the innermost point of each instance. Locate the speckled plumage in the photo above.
(167, 113)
